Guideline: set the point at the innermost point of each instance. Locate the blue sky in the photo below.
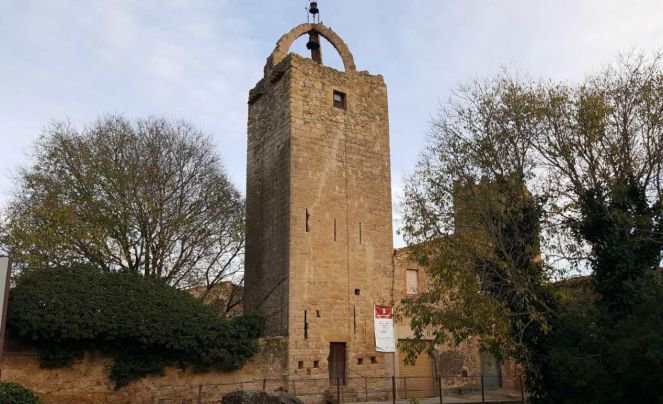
(197, 59)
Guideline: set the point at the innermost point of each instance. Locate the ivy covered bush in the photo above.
(14, 393)
(142, 323)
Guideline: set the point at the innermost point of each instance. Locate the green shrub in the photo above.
(14, 393)
(144, 324)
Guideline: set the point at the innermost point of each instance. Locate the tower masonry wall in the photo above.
(319, 217)
(341, 244)
(267, 200)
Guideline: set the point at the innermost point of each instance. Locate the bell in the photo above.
(313, 9)
(314, 46)
(313, 41)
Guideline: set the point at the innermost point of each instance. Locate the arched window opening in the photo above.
(330, 57)
(285, 43)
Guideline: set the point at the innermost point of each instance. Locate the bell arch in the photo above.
(285, 42)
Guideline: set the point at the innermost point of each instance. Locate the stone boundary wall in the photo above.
(87, 381)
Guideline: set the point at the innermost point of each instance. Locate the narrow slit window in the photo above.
(340, 100)
(354, 317)
(334, 229)
(360, 235)
(308, 216)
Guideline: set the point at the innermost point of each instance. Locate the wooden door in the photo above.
(337, 362)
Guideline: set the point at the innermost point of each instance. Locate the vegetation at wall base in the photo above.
(14, 393)
(141, 322)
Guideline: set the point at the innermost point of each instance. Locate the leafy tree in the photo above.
(148, 197)
(144, 324)
(603, 144)
(585, 360)
(591, 158)
(474, 223)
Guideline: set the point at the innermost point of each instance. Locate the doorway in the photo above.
(337, 362)
(491, 370)
(418, 379)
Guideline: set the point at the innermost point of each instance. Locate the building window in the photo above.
(412, 282)
(339, 99)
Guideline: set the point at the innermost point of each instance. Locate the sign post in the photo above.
(5, 271)
(384, 329)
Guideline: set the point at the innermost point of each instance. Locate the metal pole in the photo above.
(393, 389)
(338, 390)
(522, 389)
(343, 390)
(439, 386)
(200, 394)
(483, 394)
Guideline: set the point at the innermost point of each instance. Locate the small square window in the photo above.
(357, 292)
(360, 361)
(316, 364)
(339, 99)
(300, 364)
(374, 359)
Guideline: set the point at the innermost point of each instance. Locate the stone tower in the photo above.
(319, 221)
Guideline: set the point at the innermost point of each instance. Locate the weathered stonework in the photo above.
(449, 361)
(319, 231)
(87, 382)
(459, 365)
(285, 42)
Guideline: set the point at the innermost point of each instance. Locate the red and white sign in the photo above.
(384, 329)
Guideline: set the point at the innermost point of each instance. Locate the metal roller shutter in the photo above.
(417, 380)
